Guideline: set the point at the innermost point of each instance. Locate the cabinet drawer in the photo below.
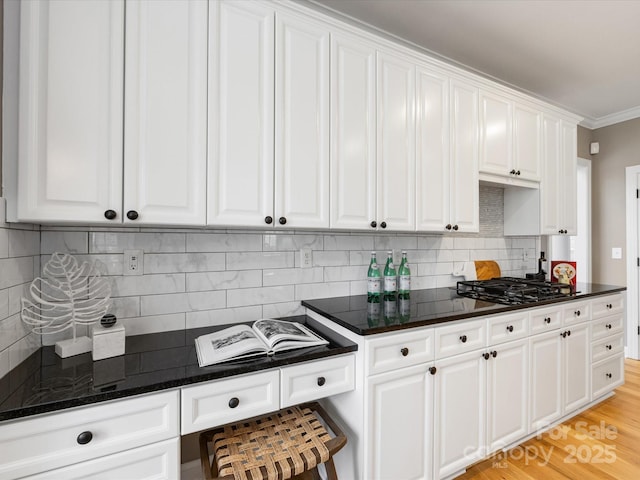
(576, 312)
(460, 337)
(313, 380)
(508, 327)
(607, 375)
(388, 352)
(224, 401)
(607, 326)
(50, 441)
(608, 305)
(545, 319)
(159, 461)
(607, 347)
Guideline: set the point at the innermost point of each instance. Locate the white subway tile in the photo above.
(130, 286)
(11, 330)
(16, 271)
(422, 283)
(4, 243)
(4, 303)
(358, 287)
(22, 349)
(4, 362)
(181, 302)
(278, 242)
(125, 307)
(23, 243)
(258, 260)
(202, 281)
(154, 324)
(460, 255)
(292, 276)
(118, 242)
(309, 291)
(15, 296)
(431, 242)
(443, 281)
(281, 310)
(445, 255)
(348, 242)
(259, 296)
(341, 274)
(330, 259)
(223, 317)
(64, 242)
(388, 242)
(183, 262)
(224, 242)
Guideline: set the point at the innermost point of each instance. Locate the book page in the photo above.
(232, 342)
(279, 334)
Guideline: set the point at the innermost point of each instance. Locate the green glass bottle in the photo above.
(404, 277)
(390, 280)
(373, 280)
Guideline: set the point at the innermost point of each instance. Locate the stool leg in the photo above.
(331, 470)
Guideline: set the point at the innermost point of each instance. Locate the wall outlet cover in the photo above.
(133, 262)
(616, 253)
(306, 258)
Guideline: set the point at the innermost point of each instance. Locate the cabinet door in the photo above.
(399, 410)
(70, 103)
(527, 139)
(353, 133)
(495, 134)
(576, 372)
(507, 394)
(546, 379)
(241, 109)
(165, 151)
(569, 176)
(464, 186)
(550, 198)
(302, 123)
(459, 413)
(396, 142)
(432, 151)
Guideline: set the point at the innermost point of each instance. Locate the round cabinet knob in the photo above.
(455, 227)
(84, 438)
(268, 220)
(321, 381)
(609, 347)
(560, 231)
(512, 172)
(509, 328)
(609, 375)
(486, 355)
(577, 313)
(132, 215)
(609, 306)
(404, 351)
(282, 220)
(608, 326)
(383, 224)
(563, 334)
(448, 227)
(547, 320)
(463, 338)
(568, 333)
(494, 354)
(433, 370)
(110, 214)
(373, 224)
(234, 402)
(518, 172)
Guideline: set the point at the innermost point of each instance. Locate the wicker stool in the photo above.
(290, 443)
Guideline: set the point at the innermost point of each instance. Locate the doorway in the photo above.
(633, 260)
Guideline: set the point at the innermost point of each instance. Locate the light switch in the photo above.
(616, 253)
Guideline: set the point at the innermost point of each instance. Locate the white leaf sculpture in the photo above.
(67, 295)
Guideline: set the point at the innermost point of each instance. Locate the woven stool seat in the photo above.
(282, 445)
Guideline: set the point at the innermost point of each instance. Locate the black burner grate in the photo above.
(513, 291)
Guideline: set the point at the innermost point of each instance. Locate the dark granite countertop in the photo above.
(45, 382)
(426, 307)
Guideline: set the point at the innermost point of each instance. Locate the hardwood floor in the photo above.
(600, 443)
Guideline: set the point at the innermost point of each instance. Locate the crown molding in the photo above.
(613, 118)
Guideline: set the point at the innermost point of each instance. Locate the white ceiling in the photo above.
(581, 55)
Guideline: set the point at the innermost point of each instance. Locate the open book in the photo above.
(264, 337)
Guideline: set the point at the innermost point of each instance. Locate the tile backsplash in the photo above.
(198, 277)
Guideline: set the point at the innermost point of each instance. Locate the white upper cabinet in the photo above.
(70, 103)
(464, 200)
(353, 133)
(510, 140)
(165, 112)
(302, 123)
(558, 195)
(241, 114)
(395, 142)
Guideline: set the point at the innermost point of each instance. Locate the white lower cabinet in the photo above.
(399, 411)
(459, 412)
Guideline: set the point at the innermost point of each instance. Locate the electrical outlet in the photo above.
(306, 258)
(133, 262)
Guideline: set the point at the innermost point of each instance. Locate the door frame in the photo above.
(633, 238)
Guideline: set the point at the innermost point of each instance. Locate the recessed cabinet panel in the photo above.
(70, 126)
(568, 174)
(396, 142)
(353, 133)
(527, 141)
(433, 164)
(165, 112)
(496, 134)
(241, 110)
(577, 354)
(546, 379)
(549, 194)
(302, 123)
